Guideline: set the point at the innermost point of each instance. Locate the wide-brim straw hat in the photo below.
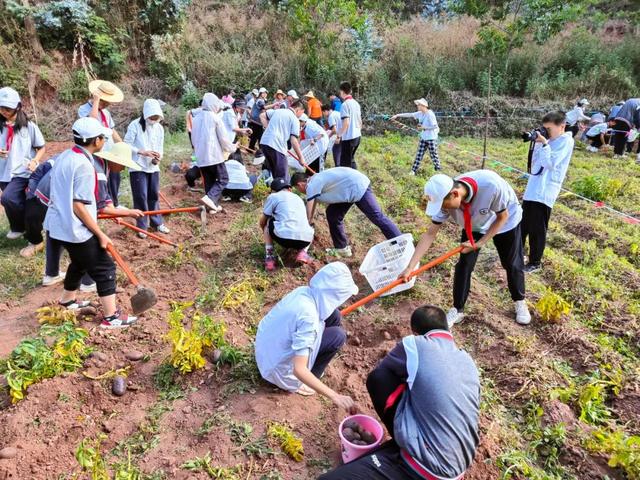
(309, 94)
(279, 92)
(120, 153)
(107, 90)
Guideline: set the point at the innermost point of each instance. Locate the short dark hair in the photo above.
(298, 104)
(427, 318)
(84, 142)
(345, 87)
(299, 177)
(326, 107)
(556, 117)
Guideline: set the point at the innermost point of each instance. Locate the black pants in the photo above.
(348, 152)
(89, 257)
(13, 200)
(619, 139)
(34, 214)
(215, 179)
(509, 246)
(286, 242)
(333, 338)
(192, 175)
(114, 187)
(574, 129)
(256, 134)
(275, 162)
(535, 223)
(596, 141)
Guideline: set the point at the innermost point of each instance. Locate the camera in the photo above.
(533, 134)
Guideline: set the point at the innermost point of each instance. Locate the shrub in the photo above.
(74, 87)
(597, 187)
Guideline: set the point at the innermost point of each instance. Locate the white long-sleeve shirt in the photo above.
(576, 114)
(152, 138)
(209, 135)
(428, 122)
(554, 160)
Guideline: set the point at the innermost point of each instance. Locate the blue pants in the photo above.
(367, 205)
(114, 186)
(145, 189)
(333, 338)
(275, 162)
(337, 152)
(215, 180)
(14, 201)
(53, 252)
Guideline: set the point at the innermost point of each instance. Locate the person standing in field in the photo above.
(428, 136)
(333, 125)
(257, 129)
(350, 132)
(314, 107)
(628, 118)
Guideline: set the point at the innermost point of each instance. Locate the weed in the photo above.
(243, 293)
(164, 378)
(55, 315)
(552, 307)
(203, 464)
(181, 256)
(240, 433)
(623, 450)
(215, 420)
(209, 292)
(90, 458)
(288, 441)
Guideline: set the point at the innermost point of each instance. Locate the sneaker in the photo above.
(305, 391)
(339, 252)
(74, 304)
(88, 288)
(258, 160)
(141, 235)
(454, 316)
(226, 199)
(532, 267)
(303, 257)
(270, 263)
(14, 235)
(412, 173)
(118, 320)
(48, 281)
(31, 249)
(210, 204)
(163, 229)
(523, 317)
(246, 200)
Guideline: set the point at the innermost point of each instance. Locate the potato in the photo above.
(362, 443)
(347, 433)
(118, 386)
(352, 424)
(368, 437)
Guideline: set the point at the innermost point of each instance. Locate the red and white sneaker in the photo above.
(303, 257)
(270, 263)
(118, 320)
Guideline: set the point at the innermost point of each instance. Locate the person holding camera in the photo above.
(548, 167)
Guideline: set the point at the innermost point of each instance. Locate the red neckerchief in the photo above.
(103, 116)
(466, 208)
(348, 97)
(77, 149)
(10, 130)
(302, 135)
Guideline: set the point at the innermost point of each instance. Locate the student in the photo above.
(72, 221)
(230, 120)
(22, 149)
(550, 162)
(350, 132)
(211, 147)
(314, 107)
(103, 95)
(429, 135)
(282, 126)
(284, 220)
(315, 134)
(486, 207)
(189, 120)
(240, 185)
(628, 117)
(256, 125)
(613, 111)
(334, 125)
(250, 100)
(335, 102)
(280, 100)
(575, 116)
(35, 210)
(597, 134)
(145, 136)
(192, 175)
(341, 188)
(228, 96)
(427, 393)
(298, 338)
(292, 96)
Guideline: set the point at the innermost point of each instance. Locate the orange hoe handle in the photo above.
(302, 163)
(150, 234)
(167, 211)
(165, 199)
(400, 281)
(123, 265)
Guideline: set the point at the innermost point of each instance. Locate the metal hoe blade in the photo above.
(143, 300)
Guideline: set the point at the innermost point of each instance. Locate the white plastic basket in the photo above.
(386, 260)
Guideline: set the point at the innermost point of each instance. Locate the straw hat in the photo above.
(421, 101)
(309, 94)
(120, 153)
(107, 90)
(279, 92)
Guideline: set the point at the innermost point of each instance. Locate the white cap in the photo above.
(422, 101)
(293, 94)
(89, 127)
(436, 188)
(9, 98)
(263, 90)
(303, 118)
(255, 92)
(584, 101)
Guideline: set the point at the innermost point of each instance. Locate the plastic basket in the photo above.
(309, 153)
(386, 260)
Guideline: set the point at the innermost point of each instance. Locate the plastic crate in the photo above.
(386, 260)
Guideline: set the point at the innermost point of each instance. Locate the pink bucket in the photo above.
(351, 451)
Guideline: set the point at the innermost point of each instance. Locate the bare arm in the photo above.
(302, 373)
(80, 211)
(345, 126)
(264, 120)
(501, 219)
(311, 209)
(421, 249)
(38, 159)
(295, 143)
(116, 136)
(262, 222)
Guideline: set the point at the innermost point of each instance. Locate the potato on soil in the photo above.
(118, 386)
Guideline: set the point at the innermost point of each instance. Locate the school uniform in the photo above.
(256, 125)
(628, 117)
(145, 183)
(287, 220)
(334, 120)
(240, 183)
(107, 121)
(312, 130)
(306, 322)
(573, 118)
(428, 137)
(231, 124)
(341, 188)
(549, 167)
(351, 139)
(74, 178)
(427, 393)
(14, 172)
(489, 194)
(594, 134)
(283, 124)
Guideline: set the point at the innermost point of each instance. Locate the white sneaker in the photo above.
(340, 252)
(163, 229)
(141, 235)
(454, 316)
(14, 235)
(88, 288)
(210, 204)
(523, 317)
(48, 281)
(592, 149)
(258, 160)
(412, 173)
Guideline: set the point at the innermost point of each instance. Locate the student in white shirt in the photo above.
(302, 333)
(487, 208)
(212, 148)
(315, 134)
(575, 116)
(284, 221)
(240, 185)
(282, 126)
(597, 135)
(145, 136)
(22, 149)
(334, 125)
(550, 162)
(350, 131)
(428, 136)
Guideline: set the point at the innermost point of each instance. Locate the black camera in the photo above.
(533, 134)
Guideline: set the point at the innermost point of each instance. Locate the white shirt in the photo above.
(576, 114)
(238, 178)
(334, 120)
(209, 136)
(283, 123)
(428, 122)
(351, 110)
(597, 129)
(151, 139)
(494, 195)
(554, 161)
(73, 178)
(289, 216)
(85, 111)
(311, 130)
(23, 146)
(230, 122)
(337, 185)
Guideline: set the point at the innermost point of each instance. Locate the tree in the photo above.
(32, 33)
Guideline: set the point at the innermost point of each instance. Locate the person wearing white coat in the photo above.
(145, 135)
(212, 147)
(549, 166)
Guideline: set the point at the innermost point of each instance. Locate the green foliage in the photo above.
(598, 187)
(203, 464)
(623, 450)
(289, 442)
(89, 457)
(74, 88)
(552, 307)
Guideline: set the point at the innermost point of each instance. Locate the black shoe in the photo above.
(532, 267)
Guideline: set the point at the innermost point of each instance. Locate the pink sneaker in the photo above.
(270, 264)
(303, 257)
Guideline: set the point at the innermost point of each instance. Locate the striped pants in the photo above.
(432, 145)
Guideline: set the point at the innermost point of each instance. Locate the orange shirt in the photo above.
(314, 107)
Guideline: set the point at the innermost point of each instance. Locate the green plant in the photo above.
(90, 458)
(552, 307)
(623, 450)
(598, 187)
(203, 464)
(288, 441)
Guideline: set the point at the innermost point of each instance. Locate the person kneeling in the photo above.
(427, 393)
(298, 338)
